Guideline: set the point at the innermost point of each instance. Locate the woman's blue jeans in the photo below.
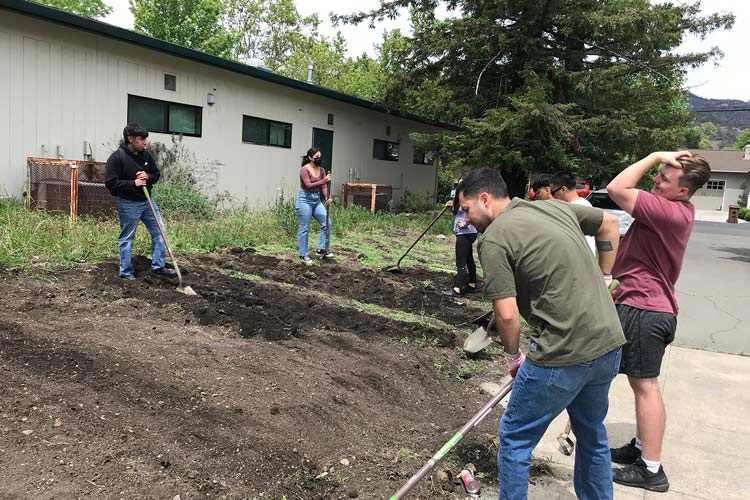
(308, 205)
(130, 213)
(539, 395)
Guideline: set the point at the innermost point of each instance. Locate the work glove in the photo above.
(612, 285)
(514, 362)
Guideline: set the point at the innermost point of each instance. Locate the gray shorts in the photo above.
(647, 333)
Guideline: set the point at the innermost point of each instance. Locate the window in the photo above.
(714, 188)
(170, 82)
(423, 157)
(166, 117)
(384, 150)
(266, 132)
(330, 119)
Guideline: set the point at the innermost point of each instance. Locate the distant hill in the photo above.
(729, 123)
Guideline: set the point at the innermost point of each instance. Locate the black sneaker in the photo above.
(453, 293)
(127, 277)
(637, 475)
(626, 455)
(165, 271)
(323, 254)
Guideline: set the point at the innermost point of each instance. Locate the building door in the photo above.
(323, 139)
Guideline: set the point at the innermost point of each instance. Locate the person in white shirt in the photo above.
(562, 186)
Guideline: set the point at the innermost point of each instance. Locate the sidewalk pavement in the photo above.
(706, 448)
(714, 216)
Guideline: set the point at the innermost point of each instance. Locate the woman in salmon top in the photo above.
(313, 181)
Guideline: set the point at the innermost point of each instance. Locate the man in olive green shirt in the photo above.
(538, 265)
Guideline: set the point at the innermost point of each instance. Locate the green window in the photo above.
(266, 132)
(164, 116)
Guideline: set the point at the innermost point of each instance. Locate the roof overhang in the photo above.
(116, 33)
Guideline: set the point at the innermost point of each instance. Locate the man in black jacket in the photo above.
(129, 169)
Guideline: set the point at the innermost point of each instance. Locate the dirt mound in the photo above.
(291, 385)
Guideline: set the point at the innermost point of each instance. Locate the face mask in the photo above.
(317, 160)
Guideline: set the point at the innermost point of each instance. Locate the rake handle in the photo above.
(163, 235)
(398, 264)
(453, 441)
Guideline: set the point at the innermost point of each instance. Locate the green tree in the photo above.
(195, 24)
(587, 85)
(743, 139)
(86, 8)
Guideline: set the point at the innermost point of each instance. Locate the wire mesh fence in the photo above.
(73, 187)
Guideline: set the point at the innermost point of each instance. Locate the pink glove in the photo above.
(515, 362)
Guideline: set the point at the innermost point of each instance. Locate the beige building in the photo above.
(730, 171)
(68, 86)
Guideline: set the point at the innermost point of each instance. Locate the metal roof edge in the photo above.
(114, 32)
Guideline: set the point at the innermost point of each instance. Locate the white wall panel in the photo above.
(72, 86)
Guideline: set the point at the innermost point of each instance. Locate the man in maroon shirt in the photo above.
(648, 264)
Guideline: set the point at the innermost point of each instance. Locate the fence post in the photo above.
(28, 184)
(73, 192)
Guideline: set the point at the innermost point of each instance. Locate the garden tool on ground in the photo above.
(452, 442)
(566, 444)
(397, 268)
(480, 338)
(187, 290)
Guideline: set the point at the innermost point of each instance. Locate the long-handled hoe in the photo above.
(397, 268)
(186, 289)
(452, 442)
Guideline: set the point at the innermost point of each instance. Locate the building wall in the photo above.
(703, 200)
(61, 87)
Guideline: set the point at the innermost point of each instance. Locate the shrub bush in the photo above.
(418, 202)
(182, 199)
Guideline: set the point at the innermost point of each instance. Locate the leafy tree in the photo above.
(195, 24)
(587, 85)
(86, 8)
(743, 139)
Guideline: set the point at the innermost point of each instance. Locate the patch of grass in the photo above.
(240, 275)
(470, 368)
(541, 467)
(406, 454)
(28, 239)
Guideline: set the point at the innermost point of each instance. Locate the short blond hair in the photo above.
(695, 173)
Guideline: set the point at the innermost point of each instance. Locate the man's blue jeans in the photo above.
(130, 213)
(539, 395)
(308, 205)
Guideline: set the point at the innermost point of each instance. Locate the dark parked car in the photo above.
(600, 199)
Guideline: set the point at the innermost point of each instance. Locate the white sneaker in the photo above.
(322, 254)
(306, 259)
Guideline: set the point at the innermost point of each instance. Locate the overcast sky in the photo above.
(728, 80)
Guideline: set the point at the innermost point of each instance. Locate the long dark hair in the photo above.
(455, 197)
(308, 157)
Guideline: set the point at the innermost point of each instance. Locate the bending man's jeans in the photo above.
(308, 206)
(130, 213)
(539, 395)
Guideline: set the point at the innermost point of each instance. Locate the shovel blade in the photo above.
(393, 270)
(477, 340)
(187, 290)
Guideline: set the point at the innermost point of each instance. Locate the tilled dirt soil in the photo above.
(279, 380)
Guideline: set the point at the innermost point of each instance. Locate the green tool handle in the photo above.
(163, 235)
(453, 441)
